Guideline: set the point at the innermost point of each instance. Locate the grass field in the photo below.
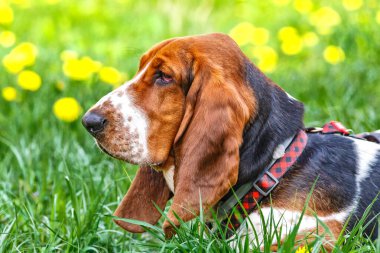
(57, 190)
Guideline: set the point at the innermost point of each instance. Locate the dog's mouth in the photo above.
(104, 150)
(157, 166)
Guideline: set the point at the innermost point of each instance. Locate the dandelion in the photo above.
(292, 47)
(7, 38)
(21, 56)
(303, 249)
(13, 63)
(260, 36)
(110, 75)
(80, 69)
(310, 39)
(27, 51)
(9, 93)
(292, 42)
(333, 54)
(303, 6)
(286, 33)
(6, 14)
(378, 17)
(94, 66)
(242, 33)
(281, 2)
(29, 80)
(324, 19)
(267, 58)
(352, 5)
(67, 109)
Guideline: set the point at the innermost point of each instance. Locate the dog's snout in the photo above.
(94, 122)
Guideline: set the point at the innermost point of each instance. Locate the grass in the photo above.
(57, 190)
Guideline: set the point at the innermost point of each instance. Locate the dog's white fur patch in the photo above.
(134, 119)
(366, 153)
(291, 97)
(283, 220)
(169, 177)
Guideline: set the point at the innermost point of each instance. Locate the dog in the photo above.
(202, 121)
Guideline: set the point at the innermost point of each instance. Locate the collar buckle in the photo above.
(266, 183)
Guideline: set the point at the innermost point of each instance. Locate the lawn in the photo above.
(57, 190)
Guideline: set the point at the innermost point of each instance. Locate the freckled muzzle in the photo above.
(119, 128)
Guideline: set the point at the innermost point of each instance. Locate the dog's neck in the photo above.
(279, 117)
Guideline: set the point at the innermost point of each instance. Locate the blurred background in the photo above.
(58, 57)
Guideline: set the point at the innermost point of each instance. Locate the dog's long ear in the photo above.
(207, 144)
(147, 188)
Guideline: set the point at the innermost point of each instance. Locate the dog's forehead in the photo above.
(182, 48)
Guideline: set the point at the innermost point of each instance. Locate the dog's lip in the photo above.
(156, 165)
(104, 150)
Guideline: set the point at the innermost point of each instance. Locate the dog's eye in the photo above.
(162, 78)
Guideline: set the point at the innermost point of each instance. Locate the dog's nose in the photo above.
(94, 122)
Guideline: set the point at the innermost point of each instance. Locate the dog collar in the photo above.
(266, 182)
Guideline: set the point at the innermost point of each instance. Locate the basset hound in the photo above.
(201, 120)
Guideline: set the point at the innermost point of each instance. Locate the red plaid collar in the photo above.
(266, 182)
(271, 176)
(333, 127)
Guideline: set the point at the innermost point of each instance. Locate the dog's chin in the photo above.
(105, 150)
(155, 166)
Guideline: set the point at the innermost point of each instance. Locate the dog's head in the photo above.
(186, 109)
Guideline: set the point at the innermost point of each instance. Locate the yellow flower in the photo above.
(303, 6)
(6, 14)
(324, 19)
(242, 33)
(110, 75)
(267, 58)
(13, 63)
(28, 51)
(352, 5)
(292, 48)
(21, 56)
(67, 109)
(378, 17)
(303, 249)
(281, 2)
(260, 36)
(287, 33)
(29, 80)
(7, 38)
(80, 69)
(310, 39)
(93, 65)
(9, 93)
(68, 55)
(334, 54)
(292, 43)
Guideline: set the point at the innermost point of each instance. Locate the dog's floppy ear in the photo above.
(207, 144)
(147, 188)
